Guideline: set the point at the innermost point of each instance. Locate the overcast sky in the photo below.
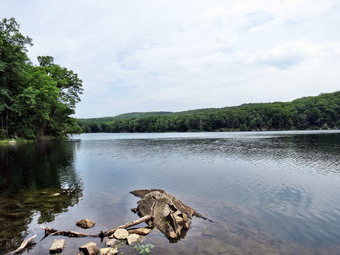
(174, 55)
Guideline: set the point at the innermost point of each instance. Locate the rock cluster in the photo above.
(156, 207)
(170, 215)
(112, 242)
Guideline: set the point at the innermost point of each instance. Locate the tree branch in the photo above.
(55, 232)
(129, 224)
(23, 245)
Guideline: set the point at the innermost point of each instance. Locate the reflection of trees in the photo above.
(35, 178)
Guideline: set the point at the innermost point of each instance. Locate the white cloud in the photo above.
(293, 53)
(178, 55)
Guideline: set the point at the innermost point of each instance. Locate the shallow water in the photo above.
(267, 192)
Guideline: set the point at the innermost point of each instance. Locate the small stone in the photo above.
(110, 242)
(89, 249)
(121, 234)
(134, 238)
(85, 223)
(108, 251)
(57, 246)
(140, 231)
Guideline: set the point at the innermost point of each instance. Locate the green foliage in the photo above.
(144, 248)
(140, 114)
(320, 112)
(35, 101)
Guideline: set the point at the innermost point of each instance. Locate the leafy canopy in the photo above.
(35, 101)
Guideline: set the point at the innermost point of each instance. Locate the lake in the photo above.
(266, 192)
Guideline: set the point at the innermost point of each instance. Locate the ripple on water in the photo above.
(267, 192)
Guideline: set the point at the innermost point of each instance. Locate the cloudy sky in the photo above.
(174, 55)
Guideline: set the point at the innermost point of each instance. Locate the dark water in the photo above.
(267, 192)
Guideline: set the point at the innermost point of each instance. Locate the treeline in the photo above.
(318, 112)
(35, 101)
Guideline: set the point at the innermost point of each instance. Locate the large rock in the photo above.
(85, 223)
(108, 251)
(89, 249)
(170, 215)
(121, 234)
(57, 246)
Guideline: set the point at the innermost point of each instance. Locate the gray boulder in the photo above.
(170, 215)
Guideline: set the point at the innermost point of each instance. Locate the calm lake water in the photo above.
(266, 192)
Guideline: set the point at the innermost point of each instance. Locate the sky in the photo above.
(176, 55)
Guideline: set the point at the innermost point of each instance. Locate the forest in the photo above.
(314, 112)
(36, 101)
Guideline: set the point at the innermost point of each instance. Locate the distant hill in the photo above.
(124, 116)
(141, 114)
(314, 112)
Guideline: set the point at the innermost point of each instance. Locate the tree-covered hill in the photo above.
(35, 101)
(315, 112)
(141, 114)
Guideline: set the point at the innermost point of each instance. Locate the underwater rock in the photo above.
(134, 238)
(108, 251)
(110, 242)
(170, 215)
(89, 248)
(121, 234)
(85, 223)
(57, 246)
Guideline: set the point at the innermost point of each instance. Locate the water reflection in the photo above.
(267, 192)
(36, 179)
(286, 185)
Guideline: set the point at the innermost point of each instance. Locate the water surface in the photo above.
(267, 192)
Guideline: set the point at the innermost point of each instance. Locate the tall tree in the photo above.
(34, 100)
(13, 61)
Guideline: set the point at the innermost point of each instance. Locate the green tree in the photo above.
(34, 100)
(13, 61)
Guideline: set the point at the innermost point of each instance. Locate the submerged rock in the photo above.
(85, 223)
(170, 215)
(110, 242)
(108, 251)
(57, 246)
(134, 238)
(89, 249)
